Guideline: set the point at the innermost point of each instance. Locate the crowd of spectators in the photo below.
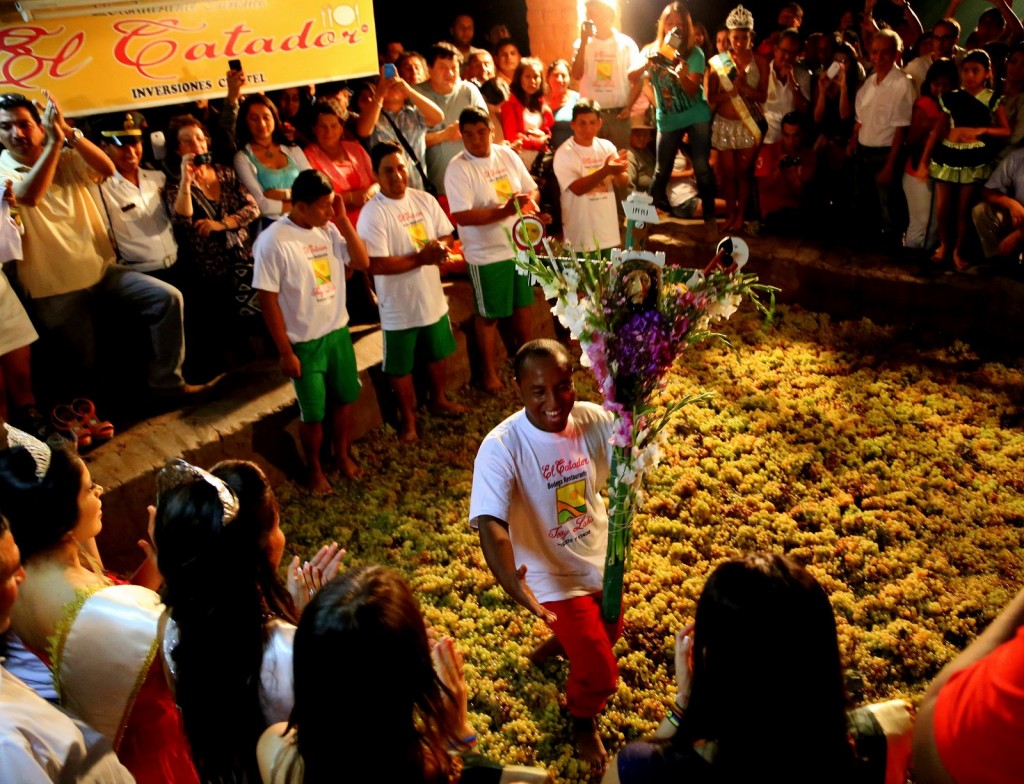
(877, 131)
(265, 223)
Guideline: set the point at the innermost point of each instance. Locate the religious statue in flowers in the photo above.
(632, 316)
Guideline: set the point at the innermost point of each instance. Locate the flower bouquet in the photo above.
(633, 316)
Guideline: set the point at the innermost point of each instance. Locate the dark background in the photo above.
(418, 28)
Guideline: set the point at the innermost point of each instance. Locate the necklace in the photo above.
(268, 150)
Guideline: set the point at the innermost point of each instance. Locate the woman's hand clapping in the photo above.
(305, 579)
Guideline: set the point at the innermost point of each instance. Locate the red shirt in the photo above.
(979, 717)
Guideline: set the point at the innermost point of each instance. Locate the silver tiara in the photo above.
(178, 472)
(41, 453)
(739, 18)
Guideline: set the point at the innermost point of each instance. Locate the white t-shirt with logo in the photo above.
(545, 486)
(398, 227)
(606, 67)
(475, 183)
(305, 267)
(590, 221)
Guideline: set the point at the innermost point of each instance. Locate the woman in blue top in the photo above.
(265, 162)
(677, 78)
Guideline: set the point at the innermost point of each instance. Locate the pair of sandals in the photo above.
(80, 425)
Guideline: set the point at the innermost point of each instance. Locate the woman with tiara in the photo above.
(737, 86)
(230, 621)
(99, 637)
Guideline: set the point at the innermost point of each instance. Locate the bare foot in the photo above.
(940, 254)
(349, 468)
(548, 649)
(492, 385)
(444, 407)
(317, 483)
(409, 435)
(588, 744)
(960, 262)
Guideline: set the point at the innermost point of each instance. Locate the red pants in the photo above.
(588, 640)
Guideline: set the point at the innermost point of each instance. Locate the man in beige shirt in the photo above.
(68, 261)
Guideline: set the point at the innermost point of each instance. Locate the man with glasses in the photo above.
(946, 34)
(788, 89)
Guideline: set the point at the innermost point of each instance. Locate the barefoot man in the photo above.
(544, 528)
(486, 183)
(300, 276)
(407, 237)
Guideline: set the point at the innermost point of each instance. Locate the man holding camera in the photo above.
(784, 172)
(603, 60)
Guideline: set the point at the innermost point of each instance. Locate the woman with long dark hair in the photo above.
(675, 70)
(228, 639)
(760, 686)
(266, 162)
(375, 698)
(96, 634)
(737, 87)
(525, 116)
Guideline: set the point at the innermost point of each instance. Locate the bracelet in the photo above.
(675, 713)
(462, 743)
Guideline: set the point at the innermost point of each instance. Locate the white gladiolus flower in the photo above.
(724, 307)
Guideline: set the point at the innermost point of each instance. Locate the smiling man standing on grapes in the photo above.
(544, 528)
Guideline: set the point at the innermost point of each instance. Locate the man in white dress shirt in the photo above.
(884, 105)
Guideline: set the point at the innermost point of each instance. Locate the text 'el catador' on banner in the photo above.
(156, 54)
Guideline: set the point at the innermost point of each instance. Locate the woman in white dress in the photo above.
(228, 638)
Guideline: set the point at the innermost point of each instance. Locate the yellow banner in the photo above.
(179, 51)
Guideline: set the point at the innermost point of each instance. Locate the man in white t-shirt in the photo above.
(588, 170)
(39, 743)
(485, 184)
(544, 528)
(407, 237)
(299, 273)
(603, 60)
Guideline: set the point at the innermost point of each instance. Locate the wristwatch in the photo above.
(71, 140)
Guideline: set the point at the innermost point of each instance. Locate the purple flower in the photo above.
(643, 345)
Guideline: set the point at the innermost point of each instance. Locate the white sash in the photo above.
(722, 63)
(103, 652)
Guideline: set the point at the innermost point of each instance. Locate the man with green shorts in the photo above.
(407, 237)
(485, 183)
(300, 276)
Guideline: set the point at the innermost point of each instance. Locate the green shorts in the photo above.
(400, 345)
(498, 288)
(328, 373)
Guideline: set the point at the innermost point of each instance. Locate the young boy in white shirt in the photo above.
(589, 169)
(299, 273)
(485, 184)
(407, 237)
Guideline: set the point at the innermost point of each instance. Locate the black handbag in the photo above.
(428, 186)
